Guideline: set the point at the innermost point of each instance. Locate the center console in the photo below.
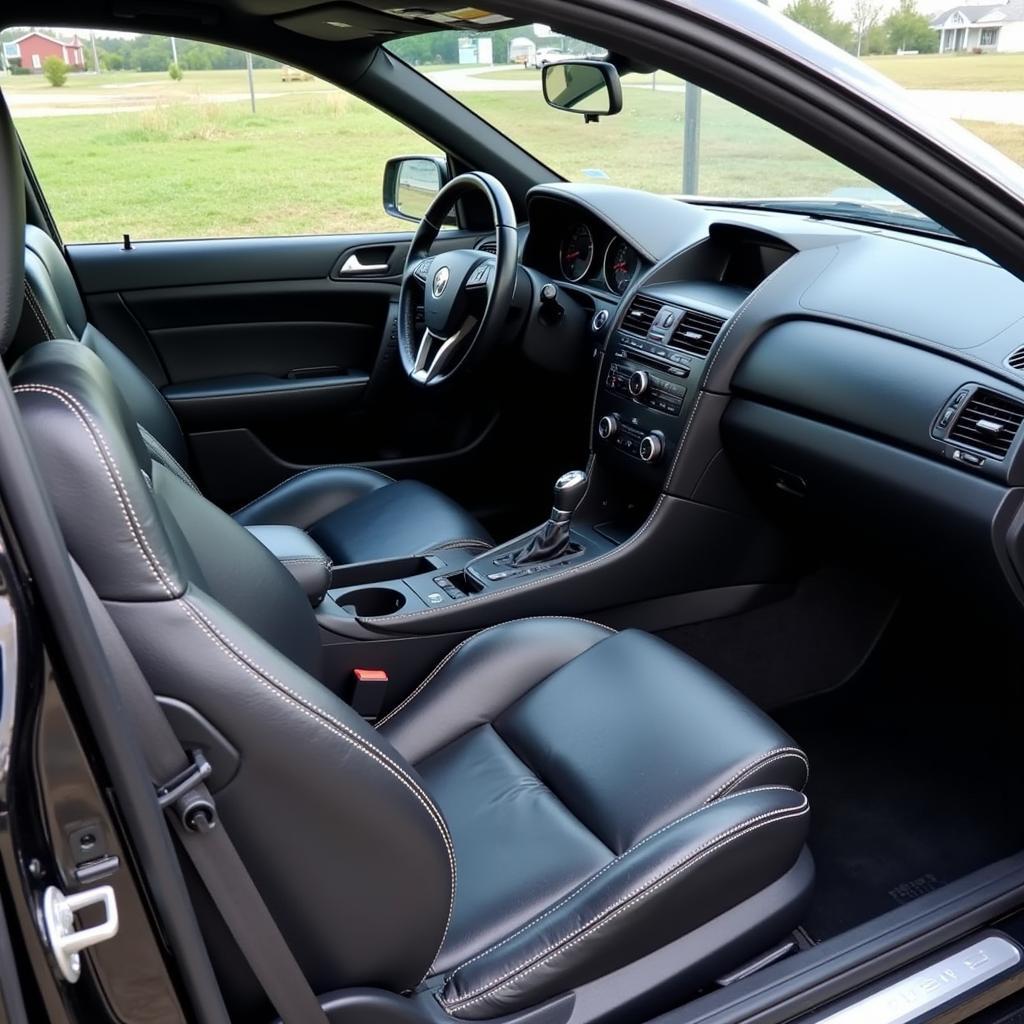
(651, 378)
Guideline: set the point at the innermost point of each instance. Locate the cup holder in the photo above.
(370, 602)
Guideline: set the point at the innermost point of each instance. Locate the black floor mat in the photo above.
(914, 776)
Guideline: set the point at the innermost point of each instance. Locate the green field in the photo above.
(998, 72)
(189, 159)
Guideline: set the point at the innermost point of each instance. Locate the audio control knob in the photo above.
(607, 427)
(639, 382)
(652, 447)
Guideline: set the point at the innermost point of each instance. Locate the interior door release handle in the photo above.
(353, 265)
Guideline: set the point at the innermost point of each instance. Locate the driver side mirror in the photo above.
(588, 87)
(410, 185)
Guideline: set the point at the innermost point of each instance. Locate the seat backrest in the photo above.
(53, 308)
(349, 851)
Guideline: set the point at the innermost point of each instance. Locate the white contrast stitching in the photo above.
(593, 878)
(337, 726)
(37, 312)
(110, 466)
(458, 647)
(634, 896)
(766, 759)
(306, 472)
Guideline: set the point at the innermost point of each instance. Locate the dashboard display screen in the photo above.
(750, 263)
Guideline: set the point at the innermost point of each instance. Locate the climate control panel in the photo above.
(644, 388)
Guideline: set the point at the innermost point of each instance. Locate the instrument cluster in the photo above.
(586, 255)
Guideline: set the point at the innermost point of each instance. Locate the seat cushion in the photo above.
(606, 795)
(359, 515)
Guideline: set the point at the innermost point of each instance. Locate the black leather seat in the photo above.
(556, 809)
(355, 514)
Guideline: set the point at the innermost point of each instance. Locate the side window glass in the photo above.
(172, 138)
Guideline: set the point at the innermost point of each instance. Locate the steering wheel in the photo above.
(465, 293)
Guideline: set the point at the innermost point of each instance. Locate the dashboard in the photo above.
(836, 364)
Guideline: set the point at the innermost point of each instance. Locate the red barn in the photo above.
(35, 47)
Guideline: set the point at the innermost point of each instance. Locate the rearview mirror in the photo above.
(588, 87)
(410, 184)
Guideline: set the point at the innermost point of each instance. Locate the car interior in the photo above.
(593, 602)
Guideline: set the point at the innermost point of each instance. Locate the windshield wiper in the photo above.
(855, 211)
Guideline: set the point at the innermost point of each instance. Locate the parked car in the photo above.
(604, 608)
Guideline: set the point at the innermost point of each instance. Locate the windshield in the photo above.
(671, 138)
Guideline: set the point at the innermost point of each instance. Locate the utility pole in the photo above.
(252, 88)
(174, 49)
(691, 140)
(95, 55)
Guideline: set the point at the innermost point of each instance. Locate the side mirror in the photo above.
(588, 87)
(410, 184)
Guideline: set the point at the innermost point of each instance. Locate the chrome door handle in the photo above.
(353, 265)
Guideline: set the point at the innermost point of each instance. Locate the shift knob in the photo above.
(569, 491)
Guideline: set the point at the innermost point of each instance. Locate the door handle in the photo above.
(353, 265)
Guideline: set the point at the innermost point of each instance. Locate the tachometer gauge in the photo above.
(577, 253)
(620, 264)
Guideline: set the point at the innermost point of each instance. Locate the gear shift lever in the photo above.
(552, 539)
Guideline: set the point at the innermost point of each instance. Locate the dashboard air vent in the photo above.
(488, 245)
(1015, 360)
(697, 331)
(988, 422)
(640, 317)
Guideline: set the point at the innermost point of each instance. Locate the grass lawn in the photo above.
(311, 162)
(998, 72)
(125, 84)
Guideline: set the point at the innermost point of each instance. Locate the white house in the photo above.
(988, 28)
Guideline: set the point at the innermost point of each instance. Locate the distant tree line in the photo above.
(153, 53)
(904, 28)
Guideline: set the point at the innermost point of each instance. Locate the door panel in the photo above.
(277, 354)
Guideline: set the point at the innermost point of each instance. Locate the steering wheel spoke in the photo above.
(434, 353)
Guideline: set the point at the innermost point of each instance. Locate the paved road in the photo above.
(998, 107)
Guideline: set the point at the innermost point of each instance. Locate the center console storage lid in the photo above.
(300, 555)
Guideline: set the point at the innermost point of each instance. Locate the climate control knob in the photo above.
(652, 447)
(607, 427)
(639, 382)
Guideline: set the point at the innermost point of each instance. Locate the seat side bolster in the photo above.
(676, 879)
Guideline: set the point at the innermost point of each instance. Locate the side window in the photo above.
(166, 139)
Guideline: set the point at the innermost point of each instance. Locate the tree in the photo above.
(174, 71)
(55, 71)
(908, 29)
(819, 17)
(111, 61)
(865, 14)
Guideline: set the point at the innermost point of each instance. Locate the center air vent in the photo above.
(640, 317)
(697, 332)
(1015, 360)
(988, 422)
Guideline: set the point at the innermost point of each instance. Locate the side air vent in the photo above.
(697, 331)
(640, 317)
(988, 422)
(1015, 360)
(488, 245)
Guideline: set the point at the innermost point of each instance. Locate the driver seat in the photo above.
(354, 514)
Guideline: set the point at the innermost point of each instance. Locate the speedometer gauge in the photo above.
(620, 264)
(577, 253)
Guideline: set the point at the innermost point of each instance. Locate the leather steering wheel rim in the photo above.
(437, 355)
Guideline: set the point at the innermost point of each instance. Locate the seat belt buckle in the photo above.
(195, 811)
(368, 690)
